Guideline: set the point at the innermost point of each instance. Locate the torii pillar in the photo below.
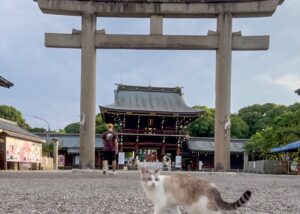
(223, 91)
(88, 91)
(223, 42)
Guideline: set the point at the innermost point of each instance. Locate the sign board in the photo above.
(121, 159)
(18, 150)
(178, 162)
(77, 160)
(61, 160)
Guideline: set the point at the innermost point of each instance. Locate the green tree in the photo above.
(12, 114)
(75, 127)
(239, 128)
(203, 126)
(253, 114)
(37, 130)
(72, 128)
(100, 125)
(283, 128)
(47, 149)
(269, 116)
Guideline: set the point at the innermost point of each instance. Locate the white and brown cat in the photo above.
(192, 193)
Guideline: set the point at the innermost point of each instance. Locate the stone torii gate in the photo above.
(223, 41)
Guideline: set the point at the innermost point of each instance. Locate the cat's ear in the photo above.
(157, 171)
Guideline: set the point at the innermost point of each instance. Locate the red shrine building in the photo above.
(150, 121)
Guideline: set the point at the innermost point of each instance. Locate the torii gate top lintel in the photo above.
(165, 8)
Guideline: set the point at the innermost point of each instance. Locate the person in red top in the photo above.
(110, 150)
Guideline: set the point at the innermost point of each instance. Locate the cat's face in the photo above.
(150, 178)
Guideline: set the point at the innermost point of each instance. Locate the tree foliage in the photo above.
(37, 130)
(47, 149)
(75, 127)
(12, 114)
(239, 128)
(203, 126)
(279, 126)
(258, 116)
(100, 125)
(72, 128)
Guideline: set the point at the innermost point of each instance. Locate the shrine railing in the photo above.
(151, 131)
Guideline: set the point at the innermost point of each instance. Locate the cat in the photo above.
(197, 196)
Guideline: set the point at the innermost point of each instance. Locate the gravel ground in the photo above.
(93, 192)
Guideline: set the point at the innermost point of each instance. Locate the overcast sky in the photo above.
(47, 80)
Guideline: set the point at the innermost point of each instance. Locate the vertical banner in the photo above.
(121, 159)
(178, 162)
(61, 160)
(77, 160)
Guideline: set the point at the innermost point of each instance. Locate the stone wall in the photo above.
(267, 167)
(47, 163)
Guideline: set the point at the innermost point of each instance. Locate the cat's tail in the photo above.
(232, 206)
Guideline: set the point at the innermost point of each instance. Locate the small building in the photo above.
(5, 83)
(19, 149)
(69, 146)
(202, 149)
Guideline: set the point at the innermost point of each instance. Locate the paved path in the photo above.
(92, 192)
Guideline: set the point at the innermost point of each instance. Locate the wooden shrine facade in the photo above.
(150, 118)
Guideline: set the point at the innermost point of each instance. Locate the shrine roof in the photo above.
(175, 1)
(12, 129)
(150, 99)
(5, 83)
(68, 140)
(208, 144)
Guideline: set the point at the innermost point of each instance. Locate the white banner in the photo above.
(121, 158)
(178, 162)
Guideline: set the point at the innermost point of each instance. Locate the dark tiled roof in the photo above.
(176, 1)
(12, 129)
(69, 140)
(5, 83)
(207, 144)
(298, 91)
(150, 99)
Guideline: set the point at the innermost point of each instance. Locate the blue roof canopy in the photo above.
(290, 146)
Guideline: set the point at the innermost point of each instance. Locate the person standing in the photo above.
(200, 165)
(110, 150)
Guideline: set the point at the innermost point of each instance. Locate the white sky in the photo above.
(47, 81)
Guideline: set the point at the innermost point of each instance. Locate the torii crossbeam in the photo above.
(224, 41)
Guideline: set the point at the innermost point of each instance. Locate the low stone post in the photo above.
(298, 172)
(246, 161)
(55, 153)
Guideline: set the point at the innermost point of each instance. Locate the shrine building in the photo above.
(150, 119)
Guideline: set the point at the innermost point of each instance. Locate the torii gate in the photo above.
(223, 41)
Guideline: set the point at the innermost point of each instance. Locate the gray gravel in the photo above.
(92, 192)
